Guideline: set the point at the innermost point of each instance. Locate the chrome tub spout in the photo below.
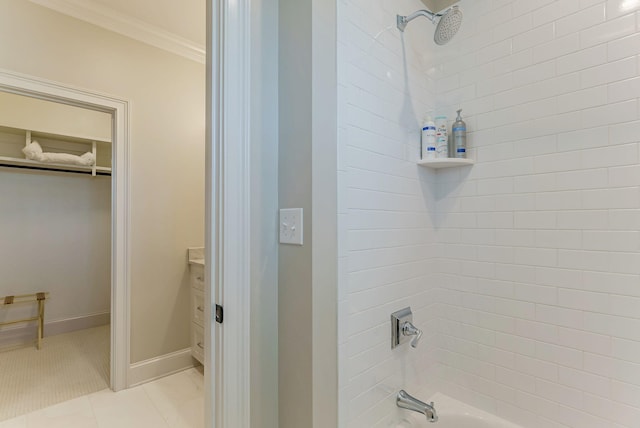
(406, 401)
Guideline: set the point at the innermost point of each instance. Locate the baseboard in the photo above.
(27, 333)
(164, 365)
(78, 323)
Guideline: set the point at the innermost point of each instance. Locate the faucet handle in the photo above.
(408, 329)
(415, 340)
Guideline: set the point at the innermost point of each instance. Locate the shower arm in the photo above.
(402, 21)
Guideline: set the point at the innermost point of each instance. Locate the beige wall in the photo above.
(307, 179)
(167, 151)
(18, 111)
(294, 191)
(325, 213)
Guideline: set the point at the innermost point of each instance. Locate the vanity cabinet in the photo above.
(197, 284)
(197, 311)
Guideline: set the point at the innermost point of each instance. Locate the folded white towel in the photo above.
(34, 152)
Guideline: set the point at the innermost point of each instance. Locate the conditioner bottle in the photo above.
(442, 138)
(459, 137)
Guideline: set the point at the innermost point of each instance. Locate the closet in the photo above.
(55, 224)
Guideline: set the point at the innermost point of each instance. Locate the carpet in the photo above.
(68, 366)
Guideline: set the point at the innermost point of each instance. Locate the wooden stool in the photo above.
(28, 298)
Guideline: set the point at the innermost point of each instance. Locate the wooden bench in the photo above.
(40, 298)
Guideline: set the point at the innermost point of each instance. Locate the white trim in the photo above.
(26, 334)
(134, 28)
(120, 219)
(157, 367)
(120, 248)
(77, 323)
(235, 209)
(228, 222)
(214, 411)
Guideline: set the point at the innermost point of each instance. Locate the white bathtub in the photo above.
(454, 414)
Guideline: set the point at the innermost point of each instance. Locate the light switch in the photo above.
(291, 226)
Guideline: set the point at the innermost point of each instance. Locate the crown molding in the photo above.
(112, 20)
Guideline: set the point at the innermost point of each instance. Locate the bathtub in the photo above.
(454, 414)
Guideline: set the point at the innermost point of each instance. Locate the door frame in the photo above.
(228, 177)
(35, 87)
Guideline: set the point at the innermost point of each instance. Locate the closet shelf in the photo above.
(46, 166)
(13, 140)
(445, 162)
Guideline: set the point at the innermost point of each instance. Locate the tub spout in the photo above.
(406, 401)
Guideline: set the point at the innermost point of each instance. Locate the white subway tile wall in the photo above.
(387, 208)
(523, 270)
(546, 264)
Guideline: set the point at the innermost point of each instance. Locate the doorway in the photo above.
(55, 183)
(110, 192)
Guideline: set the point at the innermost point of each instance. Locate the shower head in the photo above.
(448, 26)
(448, 23)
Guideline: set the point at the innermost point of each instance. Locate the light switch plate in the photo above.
(291, 226)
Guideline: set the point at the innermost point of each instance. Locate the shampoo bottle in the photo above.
(459, 137)
(428, 138)
(442, 137)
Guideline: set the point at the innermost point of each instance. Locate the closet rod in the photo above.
(42, 168)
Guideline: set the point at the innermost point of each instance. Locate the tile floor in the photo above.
(176, 401)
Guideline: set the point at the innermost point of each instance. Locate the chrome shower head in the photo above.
(448, 26)
(448, 23)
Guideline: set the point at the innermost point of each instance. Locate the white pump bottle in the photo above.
(428, 138)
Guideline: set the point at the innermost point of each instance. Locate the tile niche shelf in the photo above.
(445, 162)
